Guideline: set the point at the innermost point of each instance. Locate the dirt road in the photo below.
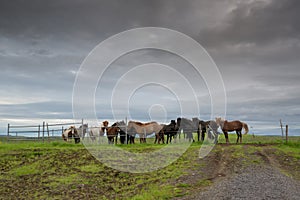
(255, 173)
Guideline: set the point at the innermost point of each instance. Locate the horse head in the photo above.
(75, 134)
(220, 121)
(105, 123)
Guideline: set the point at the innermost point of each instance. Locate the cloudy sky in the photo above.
(254, 43)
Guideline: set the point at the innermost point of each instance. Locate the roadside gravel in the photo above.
(256, 182)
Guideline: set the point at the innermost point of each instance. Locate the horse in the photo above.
(114, 131)
(170, 130)
(131, 135)
(144, 129)
(104, 128)
(237, 126)
(160, 136)
(82, 130)
(71, 133)
(122, 133)
(187, 126)
(204, 127)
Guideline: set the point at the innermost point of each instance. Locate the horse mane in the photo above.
(84, 125)
(142, 124)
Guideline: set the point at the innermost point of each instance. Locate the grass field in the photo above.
(59, 170)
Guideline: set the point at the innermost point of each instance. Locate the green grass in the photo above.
(25, 170)
(154, 192)
(59, 170)
(204, 183)
(291, 148)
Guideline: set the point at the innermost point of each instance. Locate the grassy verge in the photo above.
(59, 170)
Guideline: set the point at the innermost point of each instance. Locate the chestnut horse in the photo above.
(114, 131)
(236, 126)
(71, 133)
(144, 129)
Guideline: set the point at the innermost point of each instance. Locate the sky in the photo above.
(255, 45)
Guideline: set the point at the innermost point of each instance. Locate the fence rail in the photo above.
(37, 132)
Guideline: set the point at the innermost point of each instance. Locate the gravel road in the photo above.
(263, 182)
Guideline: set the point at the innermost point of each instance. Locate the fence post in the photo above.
(39, 132)
(126, 142)
(286, 133)
(7, 132)
(43, 131)
(48, 132)
(81, 134)
(281, 129)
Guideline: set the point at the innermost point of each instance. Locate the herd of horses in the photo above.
(172, 131)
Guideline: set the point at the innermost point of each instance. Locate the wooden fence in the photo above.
(39, 132)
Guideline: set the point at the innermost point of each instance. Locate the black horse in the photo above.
(131, 135)
(210, 127)
(121, 125)
(187, 126)
(170, 130)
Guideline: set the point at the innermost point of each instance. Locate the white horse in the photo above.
(82, 130)
(97, 132)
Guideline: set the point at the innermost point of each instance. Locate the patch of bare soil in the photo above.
(249, 172)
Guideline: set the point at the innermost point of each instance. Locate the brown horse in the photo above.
(112, 132)
(144, 129)
(236, 126)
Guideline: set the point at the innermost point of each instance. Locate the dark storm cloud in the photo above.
(76, 18)
(256, 22)
(255, 44)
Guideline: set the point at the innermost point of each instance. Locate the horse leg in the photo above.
(168, 136)
(226, 137)
(238, 136)
(202, 135)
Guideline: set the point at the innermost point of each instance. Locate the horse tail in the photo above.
(245, 126)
